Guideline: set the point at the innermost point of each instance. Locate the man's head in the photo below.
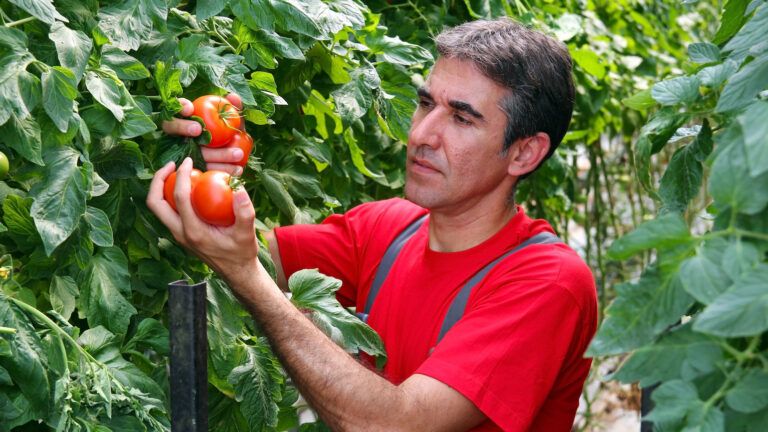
(535, 68)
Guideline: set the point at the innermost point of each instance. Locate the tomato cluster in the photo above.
(223, 121)
(210, 195)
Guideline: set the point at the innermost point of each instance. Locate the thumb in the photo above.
(245, 214)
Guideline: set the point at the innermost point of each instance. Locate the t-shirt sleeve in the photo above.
(506, 352)
(329, 247)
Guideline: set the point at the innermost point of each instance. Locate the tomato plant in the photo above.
(244, 142)
(170, 185)
(221, 118)
(212, 198)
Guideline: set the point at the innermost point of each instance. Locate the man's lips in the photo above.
(423, 164)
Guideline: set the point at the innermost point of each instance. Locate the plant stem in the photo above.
(20, 22)
(53, 326)
(7, 330)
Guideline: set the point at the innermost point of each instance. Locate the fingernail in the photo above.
(237, 154)
(194, 129)
(237, 171)
(241, 199)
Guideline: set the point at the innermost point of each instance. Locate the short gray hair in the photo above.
(533, 66)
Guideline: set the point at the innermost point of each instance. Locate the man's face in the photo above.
(456, 137)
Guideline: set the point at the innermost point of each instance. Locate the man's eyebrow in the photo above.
(467, 108)
(455, 104)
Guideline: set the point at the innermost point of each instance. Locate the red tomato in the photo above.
(243, 141)
(212, 198)
(221, 118)
(170, 185)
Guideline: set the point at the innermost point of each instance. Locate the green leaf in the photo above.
(299, 17)
(653, 137)
(683, 176)
(137, 120)
(106, 91)
(73, 48)
(755, 127)
(281, 198)
(105, 291)
(665, 231)
(640, 312)
(680, 354)
(568, 26)
(588, 60)
(40, 9)
(740, 311)
(751, 34)
(59, 197)
(59, 93)
(117, 159)
(129, 22)
(151, 333)
(63, 292)
(100, 228)
(394, 50)
(731, 20)
(24, 137)
(750, 394)
(316, 292)
(673, 400)
(703, 52)
(258, 386)
(207, 9)
(225, 71)
(256, 14)
(714, 76)
(739, 257)
(357, 156)
(702, 275)
(125, 66)
(640, 101)
(26, 364)
(731, 185)
(353, 99)
(679, 90)
(744, 86)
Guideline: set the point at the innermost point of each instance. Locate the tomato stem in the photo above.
(20, 22)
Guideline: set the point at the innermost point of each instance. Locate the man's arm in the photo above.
(347, 395)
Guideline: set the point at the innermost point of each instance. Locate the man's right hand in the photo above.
(223, 158)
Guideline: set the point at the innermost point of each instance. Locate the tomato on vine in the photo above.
(170, 185)
(221, 118)
(5, 166)
(244, 142)
(212, 198)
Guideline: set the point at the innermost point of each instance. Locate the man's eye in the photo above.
(461, 119)
(423, 103)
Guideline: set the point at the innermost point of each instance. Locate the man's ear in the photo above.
(526, 154)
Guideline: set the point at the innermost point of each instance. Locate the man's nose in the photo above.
(427, 129)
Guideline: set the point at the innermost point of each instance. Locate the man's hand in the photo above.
(231, 251)
(223, 158)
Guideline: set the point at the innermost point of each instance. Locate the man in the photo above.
(496, 104)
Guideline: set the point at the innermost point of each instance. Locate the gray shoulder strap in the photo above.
(386, 264)
(456, 310)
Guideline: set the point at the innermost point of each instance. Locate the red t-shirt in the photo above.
(517, 352)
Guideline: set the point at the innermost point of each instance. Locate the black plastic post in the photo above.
(189, 348)
(646, 405)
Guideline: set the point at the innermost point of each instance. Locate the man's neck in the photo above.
(458, 231)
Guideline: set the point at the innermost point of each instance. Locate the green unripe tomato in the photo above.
(3, 165)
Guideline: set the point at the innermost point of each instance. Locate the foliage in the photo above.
(696, 318)
(83, 86)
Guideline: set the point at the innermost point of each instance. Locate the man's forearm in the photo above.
(346, 394)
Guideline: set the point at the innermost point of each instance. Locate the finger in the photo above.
(181, 127)
(157, 204)
(221, 155)
(191, 223)
(235, 100)
(234, 170)
(245, 215)
(186, 107)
